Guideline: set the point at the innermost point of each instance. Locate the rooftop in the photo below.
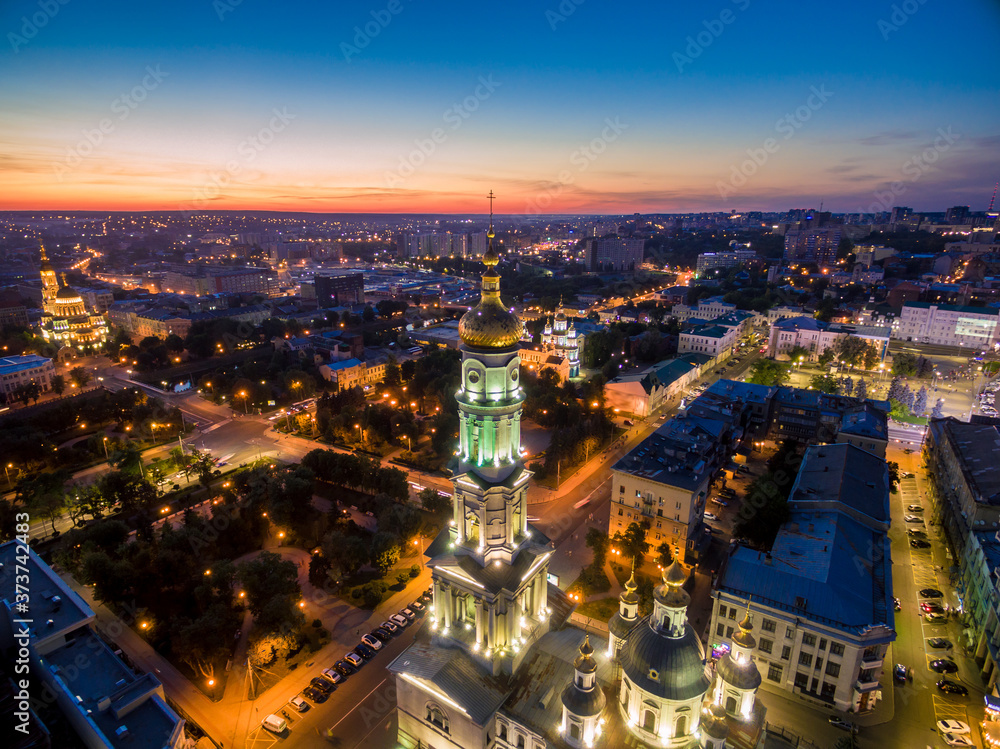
(992, 311)
(679, 453)
(825, 566)
(10, 364)
(127, 709)
(976, 447)
(844, 478)
(51, 599)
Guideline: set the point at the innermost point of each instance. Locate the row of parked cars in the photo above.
(322, 686)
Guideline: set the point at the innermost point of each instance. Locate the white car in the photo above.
(956, 739)
(373, 642)
(390, 627)
(711, 516)
(334, 676)
(354, 659)
(399, 620)
(952, 726)
(410, 616)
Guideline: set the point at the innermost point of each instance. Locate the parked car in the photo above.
(915, 533)
(298, 703)
(408, 613)
(952, 726)
(919, 543)
(944, 666)
(364, 651)
(931, 607)
(373, 642)
(354, 659)
(954, 739)
(418, 607)
(322, 684)
(930, 593)
(906, 475)
(275, 724)
(841, 723)
(344, 668)
(934, 617)
(399, 620)
(940, 643)
(952, 687)
(332, 675)
(914, 508)
(896, 604)
(390, 627)
(899, 672)
(711, 516)
(720, 502)
(383, 634)
(628, 422)
(912, 519)
(316, 695)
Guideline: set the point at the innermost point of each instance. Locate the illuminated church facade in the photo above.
(65, 320)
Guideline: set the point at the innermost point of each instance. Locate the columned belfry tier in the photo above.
(491, 584)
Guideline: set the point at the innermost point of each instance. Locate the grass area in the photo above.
(601, 609)
(915, 420)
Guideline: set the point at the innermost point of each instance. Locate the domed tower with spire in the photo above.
(714, 727)
(625, 619)
(664, 673)
(582, 701)
(490, 584)
(50, 282)
(738, 676)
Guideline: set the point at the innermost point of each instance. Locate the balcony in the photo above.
(872, 660)
(861, 685)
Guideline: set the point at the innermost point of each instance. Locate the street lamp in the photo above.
(6, 469)
(105, 443)
(243, 395)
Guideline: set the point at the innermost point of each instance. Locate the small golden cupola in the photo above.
(489, 325)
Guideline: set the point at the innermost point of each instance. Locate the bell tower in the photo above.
(491, 587)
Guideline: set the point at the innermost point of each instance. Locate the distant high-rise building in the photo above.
(415, 244)
(340, 290)
(735, 257)
(900, 213)
(478, 242)
(956, 214)
(608, 255)
(603, 228)
(813, 245)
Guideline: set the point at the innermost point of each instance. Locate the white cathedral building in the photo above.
(500, 667)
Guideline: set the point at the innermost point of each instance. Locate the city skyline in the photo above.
(397, 108)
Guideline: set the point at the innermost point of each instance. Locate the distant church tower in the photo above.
(490, 584)
(50, 282)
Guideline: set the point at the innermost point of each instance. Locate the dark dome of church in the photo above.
(741, 677)
(668, 667)
(68, 294)
(581, 702)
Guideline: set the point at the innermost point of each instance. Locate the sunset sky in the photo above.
(260, 105)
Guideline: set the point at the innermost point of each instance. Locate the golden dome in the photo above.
(489, 324)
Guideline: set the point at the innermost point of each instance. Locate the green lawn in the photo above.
(601, 609)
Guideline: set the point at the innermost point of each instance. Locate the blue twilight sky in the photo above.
(557, 106)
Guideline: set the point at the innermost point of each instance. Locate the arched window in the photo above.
(680, 728)
(436, 716)
(649, 721)
(574, 731)
(731, 704)
(503, 731)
